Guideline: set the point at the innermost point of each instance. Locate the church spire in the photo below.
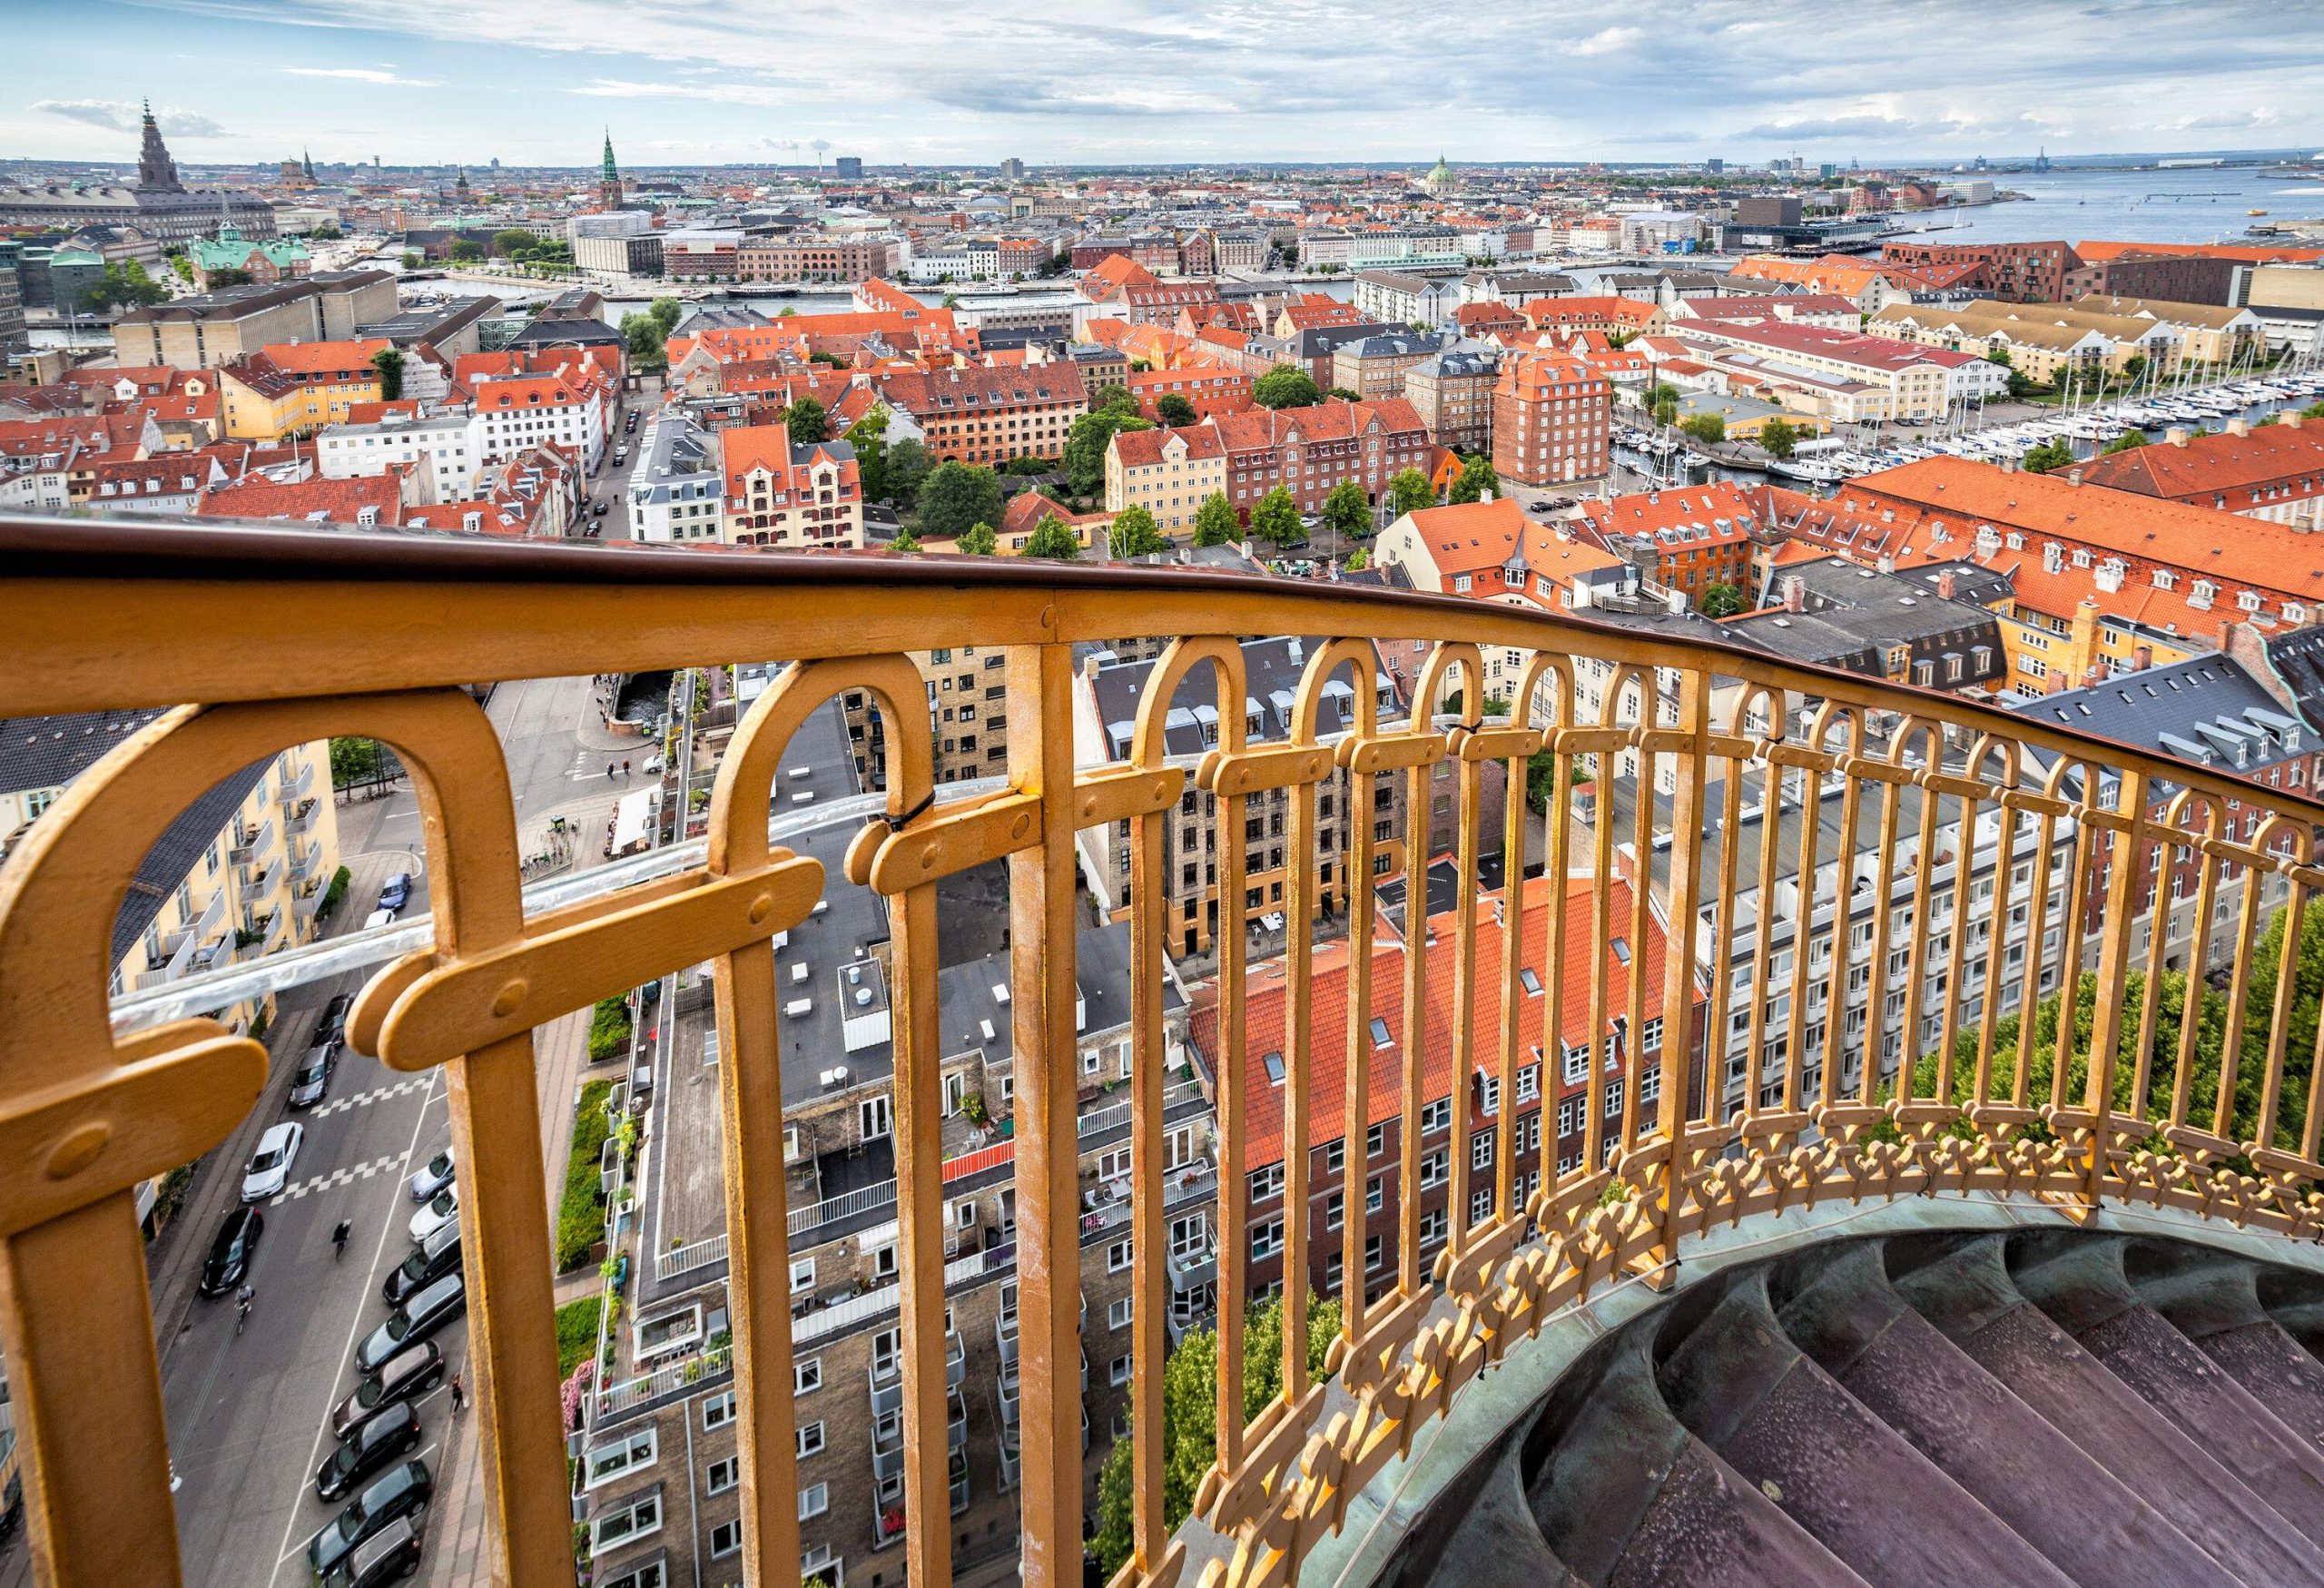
(155, 170)
(609, 178)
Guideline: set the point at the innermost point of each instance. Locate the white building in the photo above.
(674, 491)
(446, 447)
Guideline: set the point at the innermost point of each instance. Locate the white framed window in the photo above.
(1375, 1193)
(1436, 1116)
(814, 1499)
(1117, 1257)
(725, 1538)
(722, 1474)
(1480, 1150)
(644, 1575)
(956, 1090)
(1114, 1163)
(1435, 1168)
(633, 1452)
(807, 1375)
(1266, 1239)
(876, 1116)
(811, 1439)
(1117, 1371)
(802, 1275)
(820, 1562)
(1118, 1315)
(641, 1518)
(1529, 1083)
(1375, 1141)
(964, 1213)
(1267, 1184)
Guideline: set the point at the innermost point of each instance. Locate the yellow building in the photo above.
(1169, 473)
(295, 388)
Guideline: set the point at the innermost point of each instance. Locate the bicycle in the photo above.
(339, 1241)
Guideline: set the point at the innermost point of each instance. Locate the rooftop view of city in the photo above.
(929, 798)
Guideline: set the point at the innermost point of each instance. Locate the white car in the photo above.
(441, 1209)
(269, 1165)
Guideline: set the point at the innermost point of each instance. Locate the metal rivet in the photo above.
(78, 1151)
(760, 908)
(511, 996)
(1024, 825)
(928, 860)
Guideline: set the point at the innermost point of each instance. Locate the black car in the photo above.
(331, 1031)
(427, 1309)
(403, 1492)
(312, 1079)
(373, 1442)
(405, 1376)
(390, 1557)
(230, 1251)
(433, 1259)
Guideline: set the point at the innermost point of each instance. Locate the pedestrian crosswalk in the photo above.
(337, 1176)
(364, 1098)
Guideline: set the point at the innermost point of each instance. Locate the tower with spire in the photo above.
(609, 178)
(307, 162)
(157, 172)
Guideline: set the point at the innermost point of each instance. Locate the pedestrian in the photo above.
(609, 772)
(459, 1395)
(624, 769)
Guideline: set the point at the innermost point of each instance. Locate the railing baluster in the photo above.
(2129, 844)
(1883, 911)
(2191, 1008)
(1557, 838)
(1149, 1288)
(1468, 800)
(1997, 910)
(2037, 913)
(1836, 991)
(1641, 922)
(2263, 1131)
(1677, 991)
(2086, 838)
(2238, 998)
(1299, 906)
(1043, 899)
(1356, 1100)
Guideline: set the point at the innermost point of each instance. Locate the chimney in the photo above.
(2058, 684)
(1794, 594)
(2141, 658)
(2176, 435)
(2074, 475)
(2239, 427)
(1947, 582)
(1484, 495)
(2290, 416)
(1887, 564)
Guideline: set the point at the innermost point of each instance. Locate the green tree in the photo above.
(1710, 429)
(411, 261)
(229, 277)
(514, 244)
(1345, 512)
(1214, 521)
(1286, 386)
(2050, 455)
(980, 540)
(956, 496)
(2133, 367)
(905, 539)
(1359, 559)
(1174, 409)
(2126, 441)
(1666, 412)
(1190, 1417)
(2314, 411)
(1135, 534)
(1721, 599)
(325, 235)
(1477, 477)
(1115, 398)
(1341, 394)
(648, 334)
(181, 267)
(1778, 437)
(1409, 491)
(1656, 395)
(1275, 519)
(125, 285)
(354, 761)
(1085, 444)
(389, 362)
(466, 250)
(909, 466)
(807, 421)
(1051, 537)
(869, 437)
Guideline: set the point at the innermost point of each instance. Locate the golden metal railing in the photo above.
(2076, 829)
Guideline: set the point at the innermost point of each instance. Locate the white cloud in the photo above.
(121, 117)
(1606, 40)
(362, 74)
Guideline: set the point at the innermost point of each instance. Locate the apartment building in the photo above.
(1608, 315)
(1169, 473)
(968, 717)
(2015, 272)
(1207, 388)
(443, 450)
(1452, 393)
(1374, 368)
(1460, 1116)
(788, 495)
(1552, 417)
(1310, 452)
(656, 1466)
(2274, 472)
(676, 492)
(1408, 297)
(2040, 339)
(1917, 382)
(2207, 334)
(241, 873)
(1686, 539)
(295, 388)
(216, 328)
(820, 259)
(569, 403)
(1105, 705)
(990, 416)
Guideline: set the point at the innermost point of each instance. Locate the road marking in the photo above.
(364, 1100)
(337, 1176)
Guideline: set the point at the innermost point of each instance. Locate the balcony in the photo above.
(1195, 1267)
(250, 842)
(299, 819)
(888, 1437)
(887, 1379)
(2205, 1129)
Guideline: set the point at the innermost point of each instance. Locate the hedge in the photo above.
(576, 1332)
(334, 892)
(608, 1029)
(581, 1212)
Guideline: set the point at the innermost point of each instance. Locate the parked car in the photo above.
(404, 1376)
(432, 1177)
(390, 1557)
(428, 1309)
(331, 1031)
(313, 1078)
(442, 1208)
(369, 1445)
(403, 1492)
(438, 1256)
(396, 891)
(379, 918)
(269, 1165)
(231, 1251)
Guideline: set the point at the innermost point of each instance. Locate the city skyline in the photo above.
(1212, 83)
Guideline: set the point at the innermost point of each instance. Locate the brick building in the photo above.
(990, 416)
(787, 494)
(1687, 539)
(1551, 417)
(1310, 450)
(2015, 272)
(820, 259)
(1452, 393)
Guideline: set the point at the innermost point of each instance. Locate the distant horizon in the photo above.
(1152, 84)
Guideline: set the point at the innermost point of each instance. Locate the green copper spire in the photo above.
(610, 173)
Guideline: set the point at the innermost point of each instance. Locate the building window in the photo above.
(814, 1499)
(1117, 1257)
(722, 1474)
(807, 1375)
(725, 1538)
(631, 1454)
(1118, 1315)
(1434, 1168)
(1266, 1239)
(639, 1519)
(811, 1439)
(802, 1275)
(1117, 1371)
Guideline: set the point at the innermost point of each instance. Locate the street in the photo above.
(249, 1413)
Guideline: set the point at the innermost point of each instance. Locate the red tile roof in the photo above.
(2209, 466)
(334, 501)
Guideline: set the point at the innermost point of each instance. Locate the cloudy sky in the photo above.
(686, 82)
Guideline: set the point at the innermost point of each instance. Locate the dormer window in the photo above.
(2249, 600)
(2166, 580)
(2202, 594)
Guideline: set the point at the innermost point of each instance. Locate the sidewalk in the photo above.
(459, 1557)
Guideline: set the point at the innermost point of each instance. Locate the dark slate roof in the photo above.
(1972, 582)
(1271, 670)
(589, 333)
(2298, 659)
(2207, 710)
(1855, 614)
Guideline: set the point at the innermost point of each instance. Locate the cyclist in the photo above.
(339, 1240)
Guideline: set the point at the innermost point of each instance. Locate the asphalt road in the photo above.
(248, 1414)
